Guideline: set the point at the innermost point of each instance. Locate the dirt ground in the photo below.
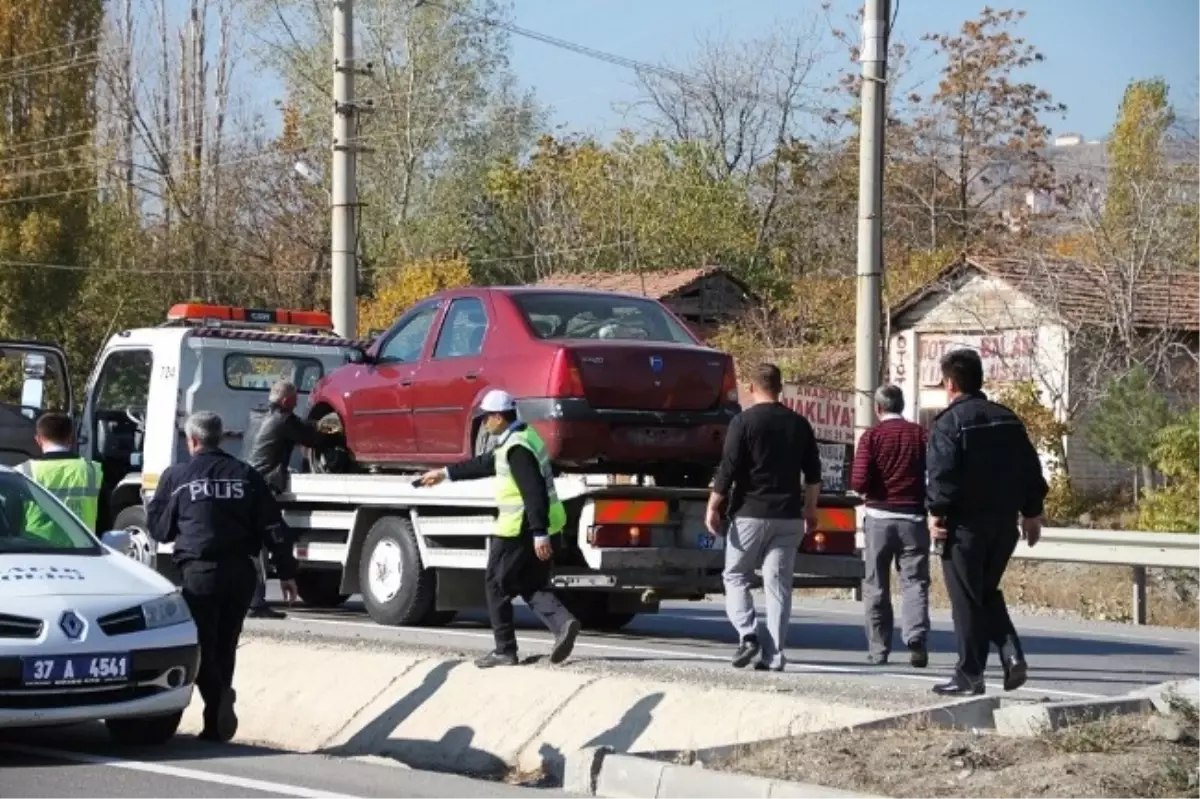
(1117, 757)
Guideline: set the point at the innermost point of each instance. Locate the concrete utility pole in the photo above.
(344, 197)
(870, 212)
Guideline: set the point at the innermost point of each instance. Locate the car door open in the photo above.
(33, 380)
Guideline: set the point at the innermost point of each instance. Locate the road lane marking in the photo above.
(799, 666)
(165, 770)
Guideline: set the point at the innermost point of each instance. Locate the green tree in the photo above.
(47, 89)
(1135, 150)
(1176, 455)
(1126, 420)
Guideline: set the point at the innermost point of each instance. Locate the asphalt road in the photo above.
(1068, 658)
(79, 761)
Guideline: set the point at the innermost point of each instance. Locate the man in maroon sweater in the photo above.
(889, 473)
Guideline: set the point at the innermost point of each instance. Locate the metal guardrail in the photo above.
(1139, 551)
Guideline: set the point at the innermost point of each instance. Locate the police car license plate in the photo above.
(65, 670)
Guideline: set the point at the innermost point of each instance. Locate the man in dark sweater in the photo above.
(889, 473)
(768, 482)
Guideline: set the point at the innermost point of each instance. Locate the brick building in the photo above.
(1038, 321)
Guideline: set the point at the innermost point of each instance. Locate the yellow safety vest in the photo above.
(508, 495)
(75, 481)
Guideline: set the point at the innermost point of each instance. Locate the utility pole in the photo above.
(870, 212)
(344, 196)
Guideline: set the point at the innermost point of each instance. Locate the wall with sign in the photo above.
(831, 414)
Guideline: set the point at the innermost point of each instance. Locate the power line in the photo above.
(63, 46)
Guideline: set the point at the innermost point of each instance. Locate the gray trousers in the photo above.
(769, 544)
(905, 543)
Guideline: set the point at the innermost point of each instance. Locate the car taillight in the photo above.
(729, 388)
(618, 535)
(835, 532)
(565, 379)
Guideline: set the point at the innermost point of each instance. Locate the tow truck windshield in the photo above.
(32, 521)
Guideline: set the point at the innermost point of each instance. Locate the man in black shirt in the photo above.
(983, 471)
(768, 481)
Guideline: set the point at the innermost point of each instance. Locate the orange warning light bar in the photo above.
(836, 520)
(632, 511)
(244, 317)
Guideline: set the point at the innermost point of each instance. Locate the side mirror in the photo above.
(119, 541)
(358, 356)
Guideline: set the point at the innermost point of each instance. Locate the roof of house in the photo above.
(1162, 299)
(656, 285)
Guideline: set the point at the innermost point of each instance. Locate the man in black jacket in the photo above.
(219, 514)
(275, 430)
(983, 471)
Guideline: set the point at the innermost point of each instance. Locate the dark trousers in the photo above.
(973, 562)
(514, 570)
(218, 595)
(259, 598)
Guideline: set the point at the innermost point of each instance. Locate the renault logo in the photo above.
(656, 363)
(71, 625)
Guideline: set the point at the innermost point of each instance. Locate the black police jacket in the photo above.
(980, 462)
(272, 435)
(216, 508)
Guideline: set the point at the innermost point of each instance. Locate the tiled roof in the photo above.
(656, 285)
(1162, 299)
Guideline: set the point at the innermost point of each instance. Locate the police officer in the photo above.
(530, 516)
(982, 472)
(219, 513)
(276, 430)
(74, 480)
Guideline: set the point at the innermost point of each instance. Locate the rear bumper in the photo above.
(580, 436)
(698, 570)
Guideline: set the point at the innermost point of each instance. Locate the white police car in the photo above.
(86, 633)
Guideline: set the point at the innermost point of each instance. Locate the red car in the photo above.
(613, 383)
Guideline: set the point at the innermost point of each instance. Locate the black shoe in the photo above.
(958, 687)
(746, 652)
(877, 658)
(221, 724)
(1016, 672)
(918, 655)
(266, 612)
(565, 642)
(492, 659)
(760, 666)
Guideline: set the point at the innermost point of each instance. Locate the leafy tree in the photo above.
(1176, 455)
(408, 285)
(47, 88)
(1135, 149)
(1126, 420)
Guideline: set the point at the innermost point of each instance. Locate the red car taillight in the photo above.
(565, 379)
(729, 388)
(835, 533)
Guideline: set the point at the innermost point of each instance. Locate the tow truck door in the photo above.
(33, 380)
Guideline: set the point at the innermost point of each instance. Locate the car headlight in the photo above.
(165, 611)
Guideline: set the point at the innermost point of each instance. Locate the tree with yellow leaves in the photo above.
(404, 287)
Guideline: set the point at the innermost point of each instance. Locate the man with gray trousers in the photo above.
(768, 484)
(889, 473)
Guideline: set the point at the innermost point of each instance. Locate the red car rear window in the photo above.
(562, 315)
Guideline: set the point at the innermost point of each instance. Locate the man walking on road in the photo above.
(220, 514)
(530, 518)
(768, 484)
(276, 430)
(889, 473)
(983, 471)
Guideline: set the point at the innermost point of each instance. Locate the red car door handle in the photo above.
(406, 381)
(472, 375)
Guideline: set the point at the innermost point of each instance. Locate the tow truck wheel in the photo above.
(321, 589)
(396, 589)
(144, 731)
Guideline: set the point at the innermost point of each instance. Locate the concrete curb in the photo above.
(440, 713)
(1032, 720)
(596, 772)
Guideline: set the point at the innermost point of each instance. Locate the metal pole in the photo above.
(1139, 594)
(344, 196)
(870, 213)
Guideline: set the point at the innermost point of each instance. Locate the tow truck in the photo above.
(414, 554)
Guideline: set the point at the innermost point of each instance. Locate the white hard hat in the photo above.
(497, 401)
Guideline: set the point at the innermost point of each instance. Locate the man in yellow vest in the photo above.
(74, 480)
(530, 517)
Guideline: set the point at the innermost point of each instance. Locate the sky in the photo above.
(1093, 48)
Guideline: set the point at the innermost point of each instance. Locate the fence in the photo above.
(1139, 551)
